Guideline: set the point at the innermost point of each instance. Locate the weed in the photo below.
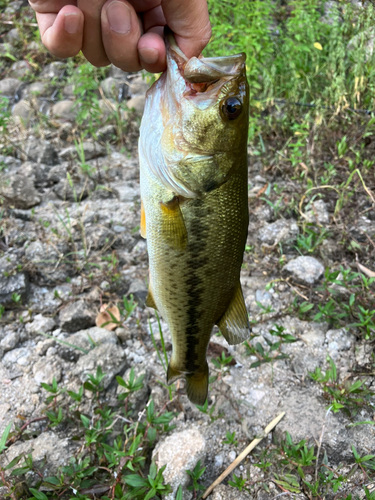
(273, 351)
(350, 397)
(209, 411)
(346, 298)
(117, 462)
(231, 438)
(311, 238)
(16, 298)
(195, 475)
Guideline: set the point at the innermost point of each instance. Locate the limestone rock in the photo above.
(47, 448)
(10, 341)
(19, 356)
(305, 269)
(9, 86)
(47, 260)
(77, 188)
(64, 109)
(224, 492)
(338, 341)
(179, 452)
(108, 356)
(280, 231)
(46, 370)
(115, 88)
(40, 324)
(23, 111)
(53, 70)
(20, 69)
(90, 150)
(318, 213)
(15, 283)
(42, 89)
(76, 316)
(19, 191)
(139, 291)
(138, 86)
(137, 103)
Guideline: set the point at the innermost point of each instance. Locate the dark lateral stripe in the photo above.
(197, 245)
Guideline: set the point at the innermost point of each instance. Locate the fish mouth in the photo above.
(204, 70)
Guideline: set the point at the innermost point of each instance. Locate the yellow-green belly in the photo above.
(192, 287)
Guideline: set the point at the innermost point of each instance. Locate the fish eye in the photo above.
(232, 108)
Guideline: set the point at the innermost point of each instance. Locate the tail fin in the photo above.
(197, 386)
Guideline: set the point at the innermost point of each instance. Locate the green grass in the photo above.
(293, 54)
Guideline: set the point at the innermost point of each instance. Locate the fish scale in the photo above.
(193, 162)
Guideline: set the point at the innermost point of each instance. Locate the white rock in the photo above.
(305, 269)
(137, 103)
(41, 324)
(179, 452)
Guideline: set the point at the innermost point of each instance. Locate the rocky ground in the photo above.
(69, 242)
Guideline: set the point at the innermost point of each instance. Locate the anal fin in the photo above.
(234, 323)
(173, 226)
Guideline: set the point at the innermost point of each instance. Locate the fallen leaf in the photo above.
(104, 318)
(262, 190)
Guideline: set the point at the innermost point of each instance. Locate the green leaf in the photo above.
(52, 480)
(135, 481)
(13, 462)
(38, 494)
(150, 494)
(85, 421)
(179, 493)
(4, 437)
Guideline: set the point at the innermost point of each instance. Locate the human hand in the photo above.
(126, 33)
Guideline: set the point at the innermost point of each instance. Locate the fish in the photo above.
(194, 205)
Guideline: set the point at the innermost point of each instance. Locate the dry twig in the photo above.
(243, 455)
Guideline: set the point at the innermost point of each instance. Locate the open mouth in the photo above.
(204, 76)
(203, 71)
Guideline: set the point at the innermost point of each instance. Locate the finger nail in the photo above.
(72, 23)
(119, 17)
(149, 56)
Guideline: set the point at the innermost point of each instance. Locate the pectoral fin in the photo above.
(173, 226)
(234, 324)
(150, 302)
(143, 221)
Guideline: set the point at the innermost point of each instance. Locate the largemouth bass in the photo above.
(193, 167)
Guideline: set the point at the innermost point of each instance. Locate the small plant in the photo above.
(195, 475)
(274, 348)
(85, 167)
(222, 361)
(311, 239)
(209, 411)
(16, 297)
(230, 438)
(346, 396)
(131, 385)
(237, 482)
